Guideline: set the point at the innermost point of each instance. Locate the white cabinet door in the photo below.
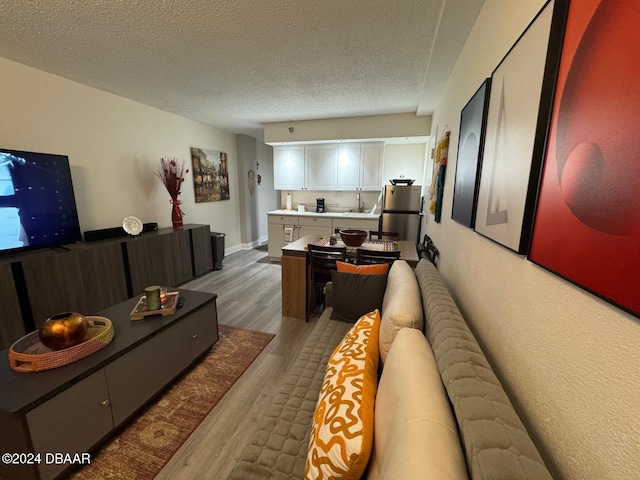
(308, 230)
(276, 226)
(315, 225)
(360, 166)
(322, 167)
(289, 168)
(349, 166)
(371, 155)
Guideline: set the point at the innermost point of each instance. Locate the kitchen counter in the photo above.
(296, 213)
(296, 274)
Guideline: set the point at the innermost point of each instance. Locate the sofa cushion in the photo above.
(401, 306)
(342, 430)
(355, 295)
(416, 436)
(375, 269)
(278, 448)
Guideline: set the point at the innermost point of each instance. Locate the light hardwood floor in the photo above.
(249, 296)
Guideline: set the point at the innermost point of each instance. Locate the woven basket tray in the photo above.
(29, 355)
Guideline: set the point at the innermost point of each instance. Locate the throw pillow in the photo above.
(375, 269)
(342, 430)
(416, 434)
(355, 295)
(401, 305)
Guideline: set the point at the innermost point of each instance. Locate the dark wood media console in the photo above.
(72, 409)
(88, 277)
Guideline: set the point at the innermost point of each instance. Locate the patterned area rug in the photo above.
(148, 442)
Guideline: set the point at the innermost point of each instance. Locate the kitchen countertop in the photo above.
(296, 213)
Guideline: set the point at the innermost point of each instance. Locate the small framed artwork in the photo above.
(517, 120)
(472, 129)
(210, 175)
(587, 223)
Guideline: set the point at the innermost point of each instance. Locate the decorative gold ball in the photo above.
(63, 330)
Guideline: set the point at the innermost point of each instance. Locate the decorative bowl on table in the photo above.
(353, 238)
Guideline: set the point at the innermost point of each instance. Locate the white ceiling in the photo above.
(237, 64)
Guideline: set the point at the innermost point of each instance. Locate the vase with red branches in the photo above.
(172, 172)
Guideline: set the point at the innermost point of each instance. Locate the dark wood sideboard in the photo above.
(74, 408)
(88, 277)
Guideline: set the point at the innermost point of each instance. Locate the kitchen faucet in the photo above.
(360, 204)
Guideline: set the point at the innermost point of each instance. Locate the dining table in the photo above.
(297, 287)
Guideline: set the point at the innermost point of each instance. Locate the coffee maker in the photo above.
(320, 205)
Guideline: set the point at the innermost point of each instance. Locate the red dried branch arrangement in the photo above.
(172, 172)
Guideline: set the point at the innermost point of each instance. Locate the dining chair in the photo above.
(428, 250)
(379, 235)
(323, 261)
(367, 257)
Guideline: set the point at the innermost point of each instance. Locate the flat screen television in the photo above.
(37, 203)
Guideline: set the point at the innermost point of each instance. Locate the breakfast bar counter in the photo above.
(296, 271)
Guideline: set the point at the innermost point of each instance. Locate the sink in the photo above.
(357, 214)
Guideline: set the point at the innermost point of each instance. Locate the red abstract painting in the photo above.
(587, 224)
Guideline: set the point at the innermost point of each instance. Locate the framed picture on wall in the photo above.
(210, 175)
(517, 120)
(472, 128)
(587, 224)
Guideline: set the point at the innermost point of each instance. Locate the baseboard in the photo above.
(234, 249)
(250, 246)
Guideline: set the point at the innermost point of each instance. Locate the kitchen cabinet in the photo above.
(277, 231)
(318, 225)
(323, 224)
(289, 168)
(309, 167)
(356, 223)
(360, 166)
(371, 156)
(321, 162)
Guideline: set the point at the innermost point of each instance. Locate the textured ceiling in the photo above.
(237, 64)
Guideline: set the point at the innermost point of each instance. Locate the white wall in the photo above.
(330, 129)
(114, 146)
(404, 161)
(268, 197)
(571, 360)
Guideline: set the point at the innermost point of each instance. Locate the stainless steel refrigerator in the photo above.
(401, 211)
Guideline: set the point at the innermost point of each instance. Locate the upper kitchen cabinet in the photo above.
(360, 166)
(346, 166)
(310, 167)
(322, 166)
(289, 168)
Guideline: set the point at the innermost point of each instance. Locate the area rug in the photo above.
(143, 448)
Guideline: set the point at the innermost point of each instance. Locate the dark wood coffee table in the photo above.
(74, 408)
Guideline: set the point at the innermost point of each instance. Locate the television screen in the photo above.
(37, 204)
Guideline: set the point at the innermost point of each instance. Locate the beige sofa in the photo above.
(440, 411)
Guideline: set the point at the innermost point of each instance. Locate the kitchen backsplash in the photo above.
(344, 201)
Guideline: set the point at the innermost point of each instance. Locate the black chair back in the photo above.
(428, 250)
(367, 257)
(323, 260)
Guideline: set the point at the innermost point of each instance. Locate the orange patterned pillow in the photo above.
(342, 430)
(375, 269)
